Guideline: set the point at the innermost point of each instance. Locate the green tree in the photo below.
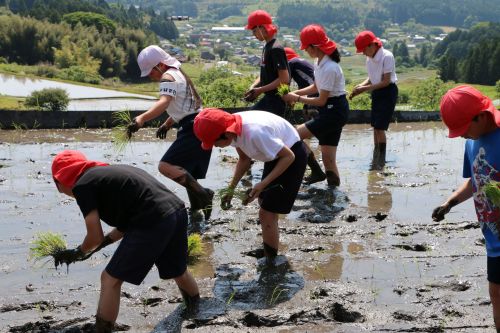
(101, 22)
(428, 94)
(49, 99)
(497, 88)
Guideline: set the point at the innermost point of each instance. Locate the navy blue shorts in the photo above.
(163, 244)
(271, 103)
(383, 105)
(280, 195)
(186, 150)
(332, 117)
(493, 269)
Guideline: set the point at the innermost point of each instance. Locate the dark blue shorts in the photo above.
(383, 105)
(186, 150)
(332, 117)
(493, 269)
(280, 195)
(271, 103)
(163, 244)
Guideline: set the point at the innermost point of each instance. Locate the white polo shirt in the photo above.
(183, 102)
(381, 64)
(264, 134)
(328, 76)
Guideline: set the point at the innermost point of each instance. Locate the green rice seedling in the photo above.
(492, 192)
(46, 244)
(121, 120)
(276, 294)
(283, 89)
(230, 299)
(195, 247)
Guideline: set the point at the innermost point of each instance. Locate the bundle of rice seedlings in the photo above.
(283, 89)
(241, 194)
(195, 247)
(46, 244)
(492, 192)
(121, 120)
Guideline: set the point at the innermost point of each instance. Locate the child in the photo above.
(332, 103)
(469, 114)
(265, 137)
(184, 162)
(381, 82)
(302, 72)
(274, 69)
(151, 220)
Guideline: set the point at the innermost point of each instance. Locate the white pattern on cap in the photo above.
(151, 56)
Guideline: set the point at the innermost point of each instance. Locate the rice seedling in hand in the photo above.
(121, 137)
(46, 244)
(492, 192)
(283, 89)
(195, 247)
(226, 194)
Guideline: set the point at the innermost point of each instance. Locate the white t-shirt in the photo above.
(183, 102)
(264, 134)
(381, 64)
(328, 76)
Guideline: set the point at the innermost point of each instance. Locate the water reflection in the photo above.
(82, 98)
(379, 197)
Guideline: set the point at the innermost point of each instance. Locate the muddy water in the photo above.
(365, 257)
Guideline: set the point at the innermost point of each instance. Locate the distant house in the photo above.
(253, 60)
(205, 55)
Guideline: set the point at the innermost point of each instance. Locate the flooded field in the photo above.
(366, 257)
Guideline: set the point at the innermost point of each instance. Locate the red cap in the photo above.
(365, 38)
(315, 35)
(69, 165)
(261, 17)
(211, 123)
(290, 53)
(460, 104)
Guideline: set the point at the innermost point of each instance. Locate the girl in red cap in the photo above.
(333, 107)
(469, 114)
(274, 69)
(381, 83)
(149, 218)
(265, 137)
(184, 162)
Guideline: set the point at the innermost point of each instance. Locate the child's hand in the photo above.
(439, 212)
(290, 98)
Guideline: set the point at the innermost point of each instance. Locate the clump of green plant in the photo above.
(195, 247)
(121, 120)
(492, 192)
(283, 89)
(48, 99)
(234, 192)
(46, 244)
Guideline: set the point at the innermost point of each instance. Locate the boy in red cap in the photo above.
(469, 114)
(332, 103)
(381, 83)
(151, 220)
(184, 161)
(265, 137)
(274, 69)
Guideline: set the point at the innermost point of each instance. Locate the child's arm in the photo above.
(463, 193)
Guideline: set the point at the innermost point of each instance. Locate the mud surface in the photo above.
(363, 258)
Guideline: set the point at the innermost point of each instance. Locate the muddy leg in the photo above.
(189, 290)
(317, 175)
(200, 196)
(103, 326)
(270, 233)
(109, 302)
(494, 290)
(194, 212)
(332, 179)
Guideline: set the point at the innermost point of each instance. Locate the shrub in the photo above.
(428, 94)
(49, 99)
(497, 87)
(79, 74)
